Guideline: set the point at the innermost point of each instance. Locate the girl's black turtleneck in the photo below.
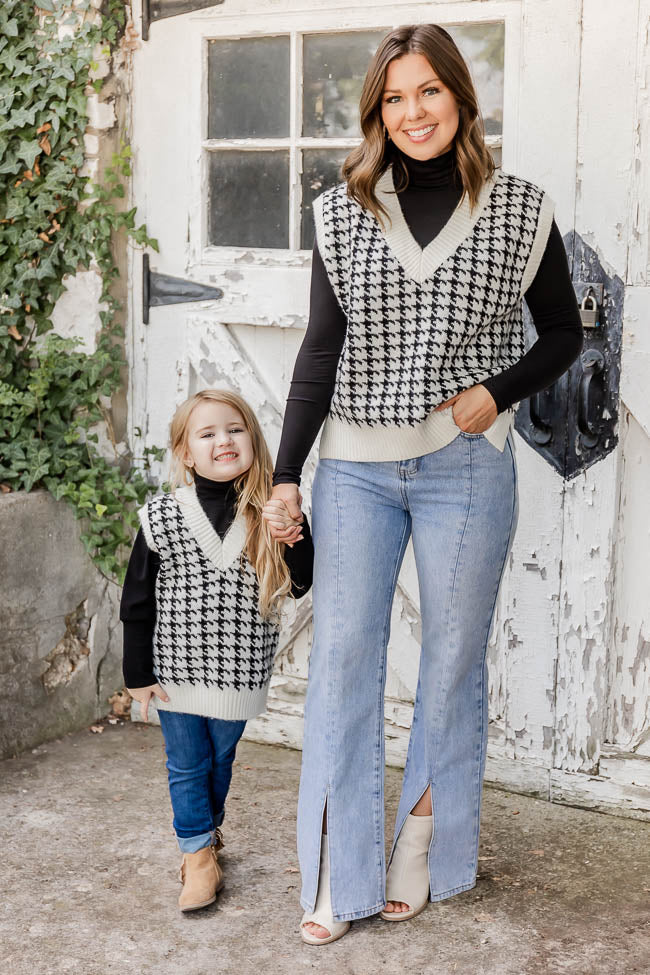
(429, 198)
(218, 500)
(138, 606)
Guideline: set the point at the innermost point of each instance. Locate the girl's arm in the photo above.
(138, 614)
(314, 376)
(300, 561)
(300, 555)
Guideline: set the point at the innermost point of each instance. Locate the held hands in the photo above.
(144, 695)
(473, 410)
(283, 515)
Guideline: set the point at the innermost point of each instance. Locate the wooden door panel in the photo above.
(523, 647)
(628, 718)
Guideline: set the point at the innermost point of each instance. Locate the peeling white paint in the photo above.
(76, 313)
(629, 668)
(101, 114)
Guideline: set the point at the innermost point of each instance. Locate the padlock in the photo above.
(589, 316)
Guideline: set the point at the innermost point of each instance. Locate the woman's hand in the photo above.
(289, 495)
(473, 410)
(144, 694)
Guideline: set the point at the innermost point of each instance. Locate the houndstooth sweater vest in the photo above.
(212, 650)
(425, 324)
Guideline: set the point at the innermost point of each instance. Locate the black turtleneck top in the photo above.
(138, 605)
(429, 199)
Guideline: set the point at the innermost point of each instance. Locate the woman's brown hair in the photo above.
(253, 489)
(367, 161)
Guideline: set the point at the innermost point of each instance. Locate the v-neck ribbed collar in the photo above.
(419, 264)
(222, 554)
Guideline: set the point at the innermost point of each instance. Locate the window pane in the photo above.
(482, 45)
(249, 199)
(248, 88)
(334, 66)
(320, 170)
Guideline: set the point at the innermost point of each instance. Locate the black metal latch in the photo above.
(163, 289)
(573, 424)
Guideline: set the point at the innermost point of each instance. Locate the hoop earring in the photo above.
(386, 135)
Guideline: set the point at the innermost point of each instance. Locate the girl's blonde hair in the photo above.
(367, 161)
(253, 489)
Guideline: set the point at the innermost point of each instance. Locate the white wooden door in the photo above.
(241, 114)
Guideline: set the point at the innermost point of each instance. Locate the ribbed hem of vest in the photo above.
(345, 441)
(213, 702)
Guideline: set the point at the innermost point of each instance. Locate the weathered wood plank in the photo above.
(628, 713)
(588, 549)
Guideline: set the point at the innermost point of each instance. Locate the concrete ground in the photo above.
(90, 879)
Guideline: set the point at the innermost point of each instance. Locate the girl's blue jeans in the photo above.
(200, 753)
(459, 506)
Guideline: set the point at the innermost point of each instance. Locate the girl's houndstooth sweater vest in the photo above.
(212, 650)
(425, 324)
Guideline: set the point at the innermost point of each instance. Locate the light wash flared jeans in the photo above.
(459, 504)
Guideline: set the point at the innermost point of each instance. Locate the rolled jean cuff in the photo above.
(192, 844)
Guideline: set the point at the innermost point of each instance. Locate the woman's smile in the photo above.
(422, 133)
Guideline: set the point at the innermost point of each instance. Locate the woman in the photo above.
(414, 355)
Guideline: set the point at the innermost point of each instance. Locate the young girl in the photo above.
(200, 609)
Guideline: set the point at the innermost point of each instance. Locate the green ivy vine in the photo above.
(54, 222)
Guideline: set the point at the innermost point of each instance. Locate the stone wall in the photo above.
(60, 636)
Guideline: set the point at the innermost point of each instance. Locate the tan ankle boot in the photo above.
(202, 879)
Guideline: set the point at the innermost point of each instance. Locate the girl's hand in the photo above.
(290, 495)
(473, 410)
(144, 695)
(276, 513)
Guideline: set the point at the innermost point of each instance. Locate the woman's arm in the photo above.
(314, 376)
(553, 306)
(138, 614)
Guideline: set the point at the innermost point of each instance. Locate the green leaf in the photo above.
(28, 151)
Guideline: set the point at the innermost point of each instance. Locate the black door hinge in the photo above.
(163, 289)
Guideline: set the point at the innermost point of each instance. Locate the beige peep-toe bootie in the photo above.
(407, 880)
(322, 913)
(202, 877)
